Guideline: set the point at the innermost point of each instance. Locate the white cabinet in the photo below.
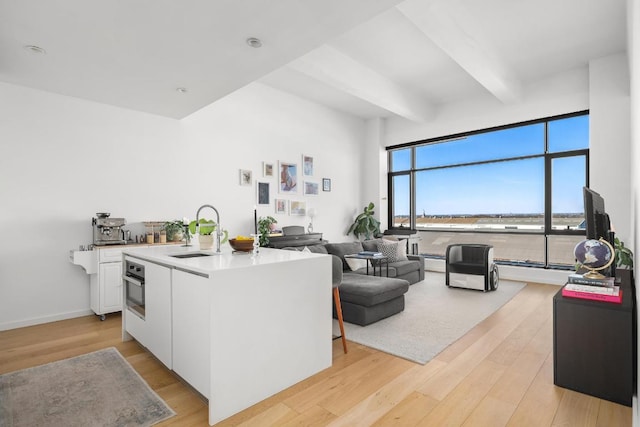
(191, 331)
(158, 311)
(106, 285)
(153, 328)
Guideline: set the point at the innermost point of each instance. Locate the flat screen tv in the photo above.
(594, 215)
(596, 219)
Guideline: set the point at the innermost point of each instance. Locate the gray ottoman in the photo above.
(367, 299)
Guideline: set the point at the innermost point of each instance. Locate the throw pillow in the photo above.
(355, 263)
(394, 251)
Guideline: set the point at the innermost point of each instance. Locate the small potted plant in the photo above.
(174, 230)
(265, 226)
(206, 232)
(624, 255)
(365, 224)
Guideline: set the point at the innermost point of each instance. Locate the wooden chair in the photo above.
(336, 277)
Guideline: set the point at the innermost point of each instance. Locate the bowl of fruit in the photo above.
(242, 243)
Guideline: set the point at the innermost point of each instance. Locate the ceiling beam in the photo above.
(342, 72)
(454, 30)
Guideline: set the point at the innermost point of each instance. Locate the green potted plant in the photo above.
(365, 224)
(624, 255)
(265, 224)
(174, 230)
(206, 232)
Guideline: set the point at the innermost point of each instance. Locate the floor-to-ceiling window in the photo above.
(517, 187)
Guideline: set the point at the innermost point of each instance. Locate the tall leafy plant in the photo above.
(365, 224)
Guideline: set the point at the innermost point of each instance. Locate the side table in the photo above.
(370, 260)
(594, 346)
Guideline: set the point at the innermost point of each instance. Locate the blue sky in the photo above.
(497, 188)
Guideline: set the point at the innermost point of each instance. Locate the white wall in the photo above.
(633, 48)
(64, 159)
(610, 133)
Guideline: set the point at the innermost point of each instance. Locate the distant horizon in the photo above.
(494, 215)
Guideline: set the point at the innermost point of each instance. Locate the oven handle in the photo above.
(134, 281)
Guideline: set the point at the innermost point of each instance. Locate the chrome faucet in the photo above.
(218, 228)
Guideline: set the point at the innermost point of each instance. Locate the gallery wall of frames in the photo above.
(286, 185)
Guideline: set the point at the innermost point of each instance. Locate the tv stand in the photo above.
(594, 344)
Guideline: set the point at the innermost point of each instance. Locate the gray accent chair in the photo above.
(471, 266)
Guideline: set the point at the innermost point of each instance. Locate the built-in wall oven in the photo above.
(134, 287)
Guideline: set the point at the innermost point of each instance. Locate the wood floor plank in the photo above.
(541, 400)
(408, 412)
(576, 409)
(276, 415)
(500, 373)
(314, 417)
(386, 397)
(456, 371)
(464, 398)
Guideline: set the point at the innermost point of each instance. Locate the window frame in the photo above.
(548, 180)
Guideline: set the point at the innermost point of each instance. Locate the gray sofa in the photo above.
(366, 298)
(411, 270)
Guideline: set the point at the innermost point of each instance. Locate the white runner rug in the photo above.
(434, 317)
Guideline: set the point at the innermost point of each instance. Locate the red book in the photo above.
(593, 296)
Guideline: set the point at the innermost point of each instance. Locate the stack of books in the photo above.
(370, 253)
(582, 287)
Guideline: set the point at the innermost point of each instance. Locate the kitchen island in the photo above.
(237, 327)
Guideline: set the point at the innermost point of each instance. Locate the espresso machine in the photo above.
(107, 231)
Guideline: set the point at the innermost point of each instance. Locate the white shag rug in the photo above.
(434, 317)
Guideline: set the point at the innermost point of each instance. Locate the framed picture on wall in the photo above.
(326, 184)
(267, 169)
(245, 177)
(288, 181)
(311, 188)
(282, 205)
(307, 165)
(262, 189)
(297, 207)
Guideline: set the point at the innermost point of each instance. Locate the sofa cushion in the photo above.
(356, 264)
(370, 245)
(369, 291)
(342, 249)
(316, 249)
(404, 267)
(394, 251)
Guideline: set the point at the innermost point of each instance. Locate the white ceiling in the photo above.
(369, 58)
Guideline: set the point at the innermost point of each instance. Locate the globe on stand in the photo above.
(594, 255)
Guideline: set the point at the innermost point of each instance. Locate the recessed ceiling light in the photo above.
(254, 42)
(35, 49)
(181, 90)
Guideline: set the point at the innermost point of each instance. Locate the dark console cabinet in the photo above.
(594, 345)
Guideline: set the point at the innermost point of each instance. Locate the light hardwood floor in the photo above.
(498, 374)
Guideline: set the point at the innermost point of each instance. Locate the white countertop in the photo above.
(227, 259)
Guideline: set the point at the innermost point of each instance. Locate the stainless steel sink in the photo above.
(191, 255)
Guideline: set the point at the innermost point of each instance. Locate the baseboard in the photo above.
(46, 319)
(508, 272)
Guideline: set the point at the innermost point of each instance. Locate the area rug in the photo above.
(95, 389)
(434, 317)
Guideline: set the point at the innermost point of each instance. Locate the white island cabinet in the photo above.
(153, 328)
(243, 327)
